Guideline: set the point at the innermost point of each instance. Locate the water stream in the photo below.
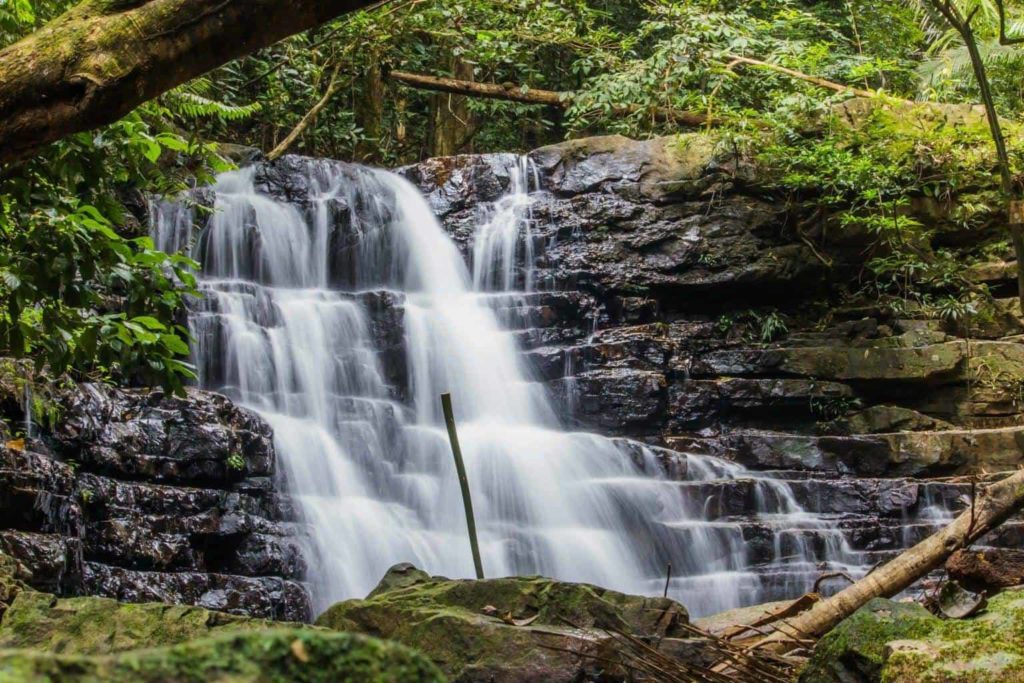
(342, 320)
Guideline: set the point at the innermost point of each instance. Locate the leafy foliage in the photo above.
(79, 293)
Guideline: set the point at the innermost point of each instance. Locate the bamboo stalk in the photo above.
(460, 467)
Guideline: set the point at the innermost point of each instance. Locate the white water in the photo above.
(294, 330)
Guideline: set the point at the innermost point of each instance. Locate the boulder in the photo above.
(503, 630)
(903, 643)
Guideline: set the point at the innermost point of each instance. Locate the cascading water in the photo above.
(298, 321)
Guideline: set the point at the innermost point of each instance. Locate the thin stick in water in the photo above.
(668, 579)
(460, 467)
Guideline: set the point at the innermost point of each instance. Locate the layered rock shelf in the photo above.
(141, 496)
(652, 258)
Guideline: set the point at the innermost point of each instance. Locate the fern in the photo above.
(192, 101)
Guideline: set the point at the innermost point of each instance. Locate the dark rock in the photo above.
(264, 597)
(200, 439)
(987, 569)
(86, 517)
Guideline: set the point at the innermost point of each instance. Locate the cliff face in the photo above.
(675, 302)
(684, 308)
(661, 259)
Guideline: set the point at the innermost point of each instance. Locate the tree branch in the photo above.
(332, 87)
(511, 92)
(1003, 38)
(101, 59)
(814, 80)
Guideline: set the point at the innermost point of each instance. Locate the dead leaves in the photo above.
(507, 617)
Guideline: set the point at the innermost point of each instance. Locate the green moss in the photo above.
(460, 625)
(268, 656)
(902, 643)
(95, 626)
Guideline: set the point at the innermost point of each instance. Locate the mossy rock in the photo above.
(293, 655)
(99, 626)
(902, 643)
(509, 629)
(11, 584)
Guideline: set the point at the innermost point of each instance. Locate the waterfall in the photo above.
(341, 319)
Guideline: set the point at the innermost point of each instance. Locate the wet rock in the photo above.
(987, 569)
(462, 182)
(461, 625)
(85, 516)
(617, 400)
(276, 654)
(263, 597)
(903, 643)
(697, 403)
(885, 418)
(54, 561)
(202, 438)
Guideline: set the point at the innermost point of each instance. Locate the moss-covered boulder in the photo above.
(903, 643)
(11, 583)
(99, 626)
(510, 629)
(293, 655)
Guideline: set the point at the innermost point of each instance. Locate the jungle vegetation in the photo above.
(92, 122)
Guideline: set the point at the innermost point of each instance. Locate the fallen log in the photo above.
(992, 507)
(512, 92)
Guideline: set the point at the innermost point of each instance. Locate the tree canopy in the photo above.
(83, 290)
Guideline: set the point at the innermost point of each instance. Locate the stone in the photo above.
(200, 439)
(141, 496)
(99, 626)
(987, 569)
(893, 454)
(903, 643)
(302, 656)
(880, 419)
(501, 630)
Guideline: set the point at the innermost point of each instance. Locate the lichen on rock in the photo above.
(508, 629)
(300, 656)
(900, 642)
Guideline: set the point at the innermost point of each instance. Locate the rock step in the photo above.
(264, 597)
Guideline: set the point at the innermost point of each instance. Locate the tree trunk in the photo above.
(97, 62)
(517, 93)
(962, 25)
(997, 502)
(369, 112)
(450, 118)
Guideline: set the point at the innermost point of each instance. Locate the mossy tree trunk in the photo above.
(369, 112)
(451, 120)
(101, 59)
